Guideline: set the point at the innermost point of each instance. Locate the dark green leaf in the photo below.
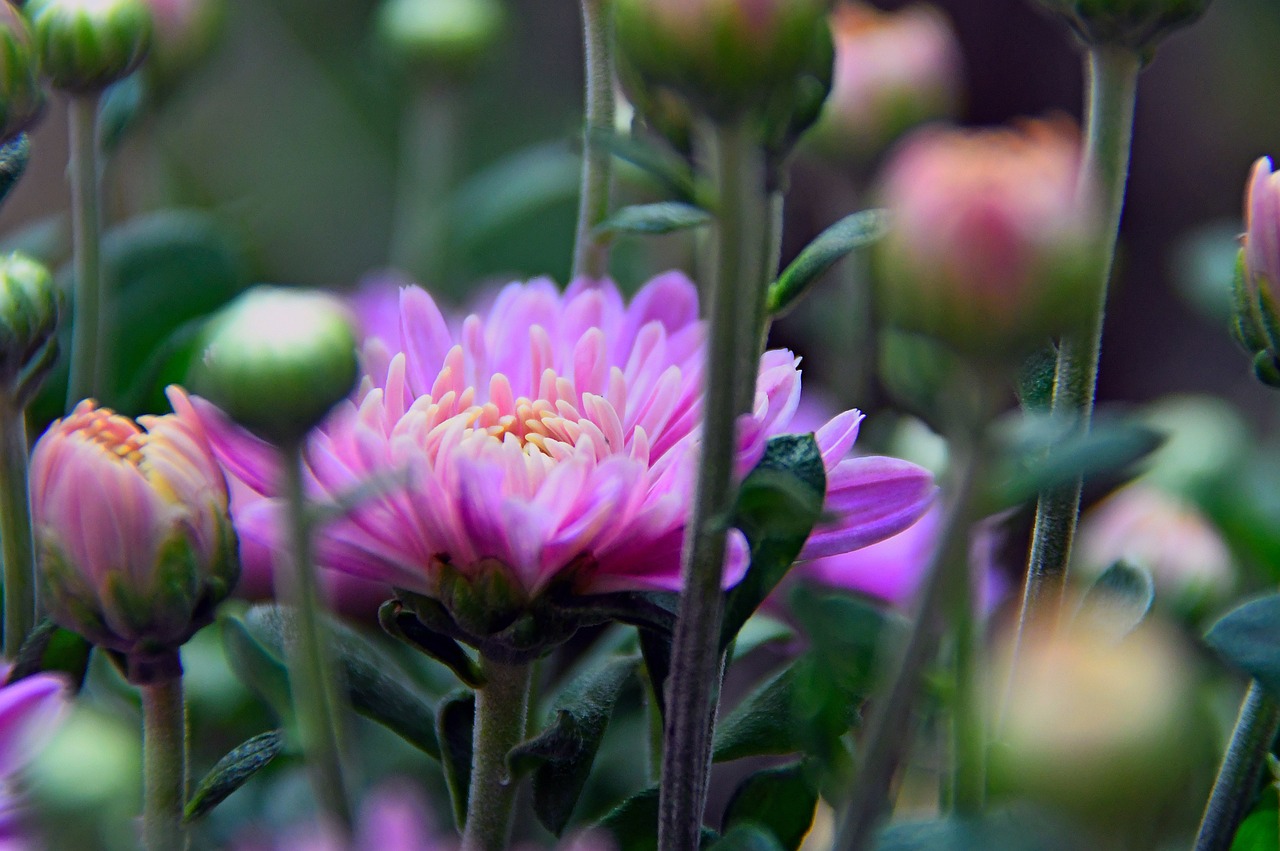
(778, 504)
(759, 630)
(257, 667)
(399, 622)
(1261, 830)
(633, 824)
(14, 156)
(1035, 383)
(455, 727)
(763, 723)
(1118, 600)
(51, 648)
(652, 219)
(562, 755)
(850, 233)
(747, 836)
(1248, 638)
(377, 686)
(232, 771)
(781, 799)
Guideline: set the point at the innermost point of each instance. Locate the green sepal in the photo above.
(1245, 325)
(233, 771)
(404, 625)
(455, 726)
(1266, 368)
(562, 755)
(781, 799)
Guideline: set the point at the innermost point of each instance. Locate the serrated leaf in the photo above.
(852, 232)
(778, 504)
(1118, 600)
(257, 667)
(562, 755)
(455, 727)
(781, 799)
(1248, 638)
(652, 219)
(377, 685)
(233, 771)
(762, 724)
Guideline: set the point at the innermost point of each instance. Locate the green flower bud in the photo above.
(447, 35)
(276, 360)
(729, 57)
(86, 45)
(28, 320)
(21, 97)
(1136, 24)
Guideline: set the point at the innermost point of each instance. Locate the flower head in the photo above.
(549, 445)
(991, 233)
(131, 525)
(893, 70)
(86, 45)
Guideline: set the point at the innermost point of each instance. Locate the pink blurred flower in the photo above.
(1262, 229)
(552, 441)
(31, 710)
(391, 819)
(893, 70)
(131, 524)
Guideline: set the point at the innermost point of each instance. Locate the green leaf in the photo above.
(852, 232)
(778, 504)
(378, 687)
(763, 723)
(232, 772)
(747, 836)
(781, 799)
(1035, 382)
(455, 727)
(633, 824)
(398, 622)
(49, 647)
(1003, 830)
(512, 189)
(1118, 600)
(1261, 830)
(1248, 638)
(562, 755)
(652, 219)
(14, 156)
(759, 630)
(670, 171)
(257, 667)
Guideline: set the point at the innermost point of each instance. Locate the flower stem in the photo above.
(968, 733)
(428, 141)
(164, 742)
(1238, 777)
(591, 257)
(314, 693)
(737, 286)
(87, 352)
(16, 544)
(889, 733)
(1113, 77)
(501, 712)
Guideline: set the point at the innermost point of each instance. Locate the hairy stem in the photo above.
(1242, 764)
(590, 257)
(310, 662)
(1113, 76)
(501, 711)
(164, 744)
(88, 313)
(739, 283)
(16, 544)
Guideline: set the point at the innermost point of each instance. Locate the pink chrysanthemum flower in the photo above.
(551, 440)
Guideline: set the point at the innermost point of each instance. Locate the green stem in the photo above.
(1237, 781)
(427, 149)
(968, 733)
(164, 744)
(772, 261)
(889, 733)
(315, 699)
(590, 256)
(1113, 77)
(738, 283)
(16, 544)
(87, 352)
(501, 713)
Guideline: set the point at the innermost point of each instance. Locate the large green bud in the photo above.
(21, 97)
(28, 322)
(728, 57)
(276, 360)
(1137, 24)
(86, 45)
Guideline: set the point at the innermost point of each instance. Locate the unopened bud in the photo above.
(28, 322)
(276, 360)
(445, 35)
(86, 45)
(21, 97)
